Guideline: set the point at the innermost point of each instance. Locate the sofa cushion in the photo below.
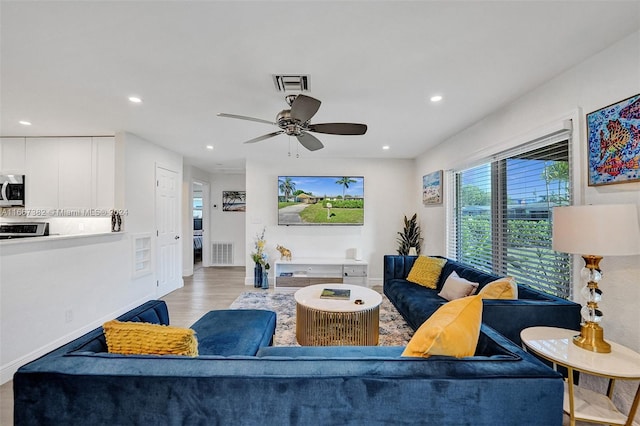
(415, 303)
(503, 288)
(139, 338)
(229, 332)
(453, 330)
(426, 271)
(455, 287)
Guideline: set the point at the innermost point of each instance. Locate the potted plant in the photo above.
(410, 237)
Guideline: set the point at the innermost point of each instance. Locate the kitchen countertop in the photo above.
(56, 237)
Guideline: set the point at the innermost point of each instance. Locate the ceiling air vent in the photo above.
(291, 83)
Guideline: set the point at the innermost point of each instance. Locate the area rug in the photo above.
(394, 331)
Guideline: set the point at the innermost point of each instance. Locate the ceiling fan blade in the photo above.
(339, 128)
(310, 142)
(304, 107)
(263, 137)
(242, 117)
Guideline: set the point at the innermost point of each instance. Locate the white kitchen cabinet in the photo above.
(70, 174)
(103, 173)
(12, 155)
(74, 175)
(41, 176)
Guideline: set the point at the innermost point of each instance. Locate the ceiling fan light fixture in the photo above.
(295, 122)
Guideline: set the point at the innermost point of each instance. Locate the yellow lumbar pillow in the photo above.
(452, 330)
(140, 338)
(503, 288)
(426, 271)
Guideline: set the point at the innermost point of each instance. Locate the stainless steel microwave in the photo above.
(11, 190)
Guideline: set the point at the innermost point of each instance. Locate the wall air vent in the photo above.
(291, 82)
(221, 254)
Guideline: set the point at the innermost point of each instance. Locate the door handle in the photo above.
(177, 237)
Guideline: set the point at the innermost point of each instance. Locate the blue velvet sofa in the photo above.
(81, 384)
(509, 317)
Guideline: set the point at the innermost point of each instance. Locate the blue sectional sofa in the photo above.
(81, 384)
(509, 317)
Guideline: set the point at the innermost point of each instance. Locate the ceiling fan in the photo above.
(295, 122)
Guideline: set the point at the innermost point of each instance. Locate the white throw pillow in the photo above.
(455, 287)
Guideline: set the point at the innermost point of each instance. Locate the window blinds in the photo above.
(501, 213)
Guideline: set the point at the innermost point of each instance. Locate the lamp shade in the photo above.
(603, 230)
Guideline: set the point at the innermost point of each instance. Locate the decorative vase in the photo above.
(265, 279)
(257, 276)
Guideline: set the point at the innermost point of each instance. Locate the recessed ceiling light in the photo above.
(135, 99)
(210, 147)
(436, 98)
(386, 147)
(25, 123)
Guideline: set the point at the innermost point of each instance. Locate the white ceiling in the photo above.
(69, 67)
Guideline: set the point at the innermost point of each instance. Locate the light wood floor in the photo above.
(208, 289)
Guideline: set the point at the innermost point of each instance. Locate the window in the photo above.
(501, 220)
(197, 206)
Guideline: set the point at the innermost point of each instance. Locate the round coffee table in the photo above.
(334, 322)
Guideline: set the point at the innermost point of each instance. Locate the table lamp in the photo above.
(594, 231)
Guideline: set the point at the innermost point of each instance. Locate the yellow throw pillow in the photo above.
(140, 338)
(452, 330)
(503, 288)
(426, 271)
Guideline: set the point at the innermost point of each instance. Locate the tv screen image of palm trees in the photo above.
(320, 200)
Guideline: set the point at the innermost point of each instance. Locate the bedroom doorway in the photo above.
(200, 199)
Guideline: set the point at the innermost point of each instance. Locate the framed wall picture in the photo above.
(234, 201)
(613, 137)
(432, 188)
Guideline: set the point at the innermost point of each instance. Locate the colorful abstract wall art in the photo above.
(613, 136)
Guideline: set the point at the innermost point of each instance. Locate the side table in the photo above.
(555, 345)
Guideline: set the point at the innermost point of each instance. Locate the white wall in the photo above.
(228, 227)
(55, 290)
(136, 159)
(605, 78)
(390, 193)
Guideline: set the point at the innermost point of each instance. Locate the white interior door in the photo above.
(168, 267)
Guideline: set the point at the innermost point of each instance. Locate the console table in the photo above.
(555, 345)
(302, 272)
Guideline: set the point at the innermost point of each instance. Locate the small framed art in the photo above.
(432, 188)
(613, 137)
(234, 201)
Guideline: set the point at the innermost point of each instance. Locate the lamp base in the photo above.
(591, 338)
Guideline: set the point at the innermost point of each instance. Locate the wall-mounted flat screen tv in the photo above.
(320, 200)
